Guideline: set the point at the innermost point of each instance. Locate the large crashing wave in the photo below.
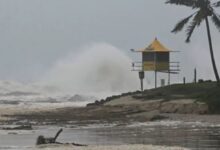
(99, 68)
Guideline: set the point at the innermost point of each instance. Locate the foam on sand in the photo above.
(121, 147)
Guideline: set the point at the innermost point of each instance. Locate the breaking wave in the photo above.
(99, 68)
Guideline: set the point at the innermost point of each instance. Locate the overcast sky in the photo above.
(35, 34)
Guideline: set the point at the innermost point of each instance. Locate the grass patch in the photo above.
(212, 98)
(207, 92)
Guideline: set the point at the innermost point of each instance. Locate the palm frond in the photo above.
(179, 26)
(216, 20)
(188, 3)
(217, 4)
(198, 18)
(190, 30)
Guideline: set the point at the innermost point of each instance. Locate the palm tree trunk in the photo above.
(211, 51)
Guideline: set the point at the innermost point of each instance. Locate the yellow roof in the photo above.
(155, 46)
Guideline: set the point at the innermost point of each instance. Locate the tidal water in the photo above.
(194, 135)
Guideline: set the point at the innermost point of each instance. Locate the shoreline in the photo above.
(175, 102)
(80, 122)
(94, 115)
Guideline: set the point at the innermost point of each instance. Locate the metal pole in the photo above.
(142, 88)
(155, 79)
(155, 68)
(141, 76)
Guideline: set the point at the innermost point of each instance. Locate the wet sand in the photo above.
(121, 147)
(110, 122)
(89, 115)
(195, 135)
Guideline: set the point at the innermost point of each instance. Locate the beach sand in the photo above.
(121, 147)
(123, 112)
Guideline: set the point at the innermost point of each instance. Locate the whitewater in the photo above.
(97, 71)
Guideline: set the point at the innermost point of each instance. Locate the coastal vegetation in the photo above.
(204, 91)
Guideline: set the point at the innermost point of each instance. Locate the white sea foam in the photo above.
(173, 124)
(121, 147)
(99, 69)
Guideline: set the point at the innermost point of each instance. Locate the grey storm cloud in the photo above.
(35, 34)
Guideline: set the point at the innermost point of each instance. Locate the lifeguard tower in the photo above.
(155, 57)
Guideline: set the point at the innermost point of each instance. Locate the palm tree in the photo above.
(204, 11)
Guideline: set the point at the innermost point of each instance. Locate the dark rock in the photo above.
(22, 127)
(10, 102)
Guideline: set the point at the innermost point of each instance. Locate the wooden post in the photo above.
(195, 75)
(169, 78)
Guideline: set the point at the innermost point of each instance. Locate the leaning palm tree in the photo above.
(204, 10)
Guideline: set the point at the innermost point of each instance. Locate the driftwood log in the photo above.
(52, 140)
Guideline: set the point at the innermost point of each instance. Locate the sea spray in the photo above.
(99, 69)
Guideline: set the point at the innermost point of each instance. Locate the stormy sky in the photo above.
(35, 34)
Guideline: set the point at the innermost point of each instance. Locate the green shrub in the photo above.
(212, 98)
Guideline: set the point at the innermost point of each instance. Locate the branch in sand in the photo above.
(41, 140)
